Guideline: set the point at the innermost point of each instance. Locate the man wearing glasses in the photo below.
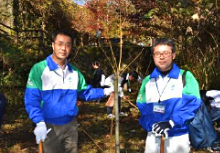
(53, 88)
(165, 104)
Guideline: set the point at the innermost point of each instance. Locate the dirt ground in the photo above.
(96, 132)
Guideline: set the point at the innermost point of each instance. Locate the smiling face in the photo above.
(163, 57)
(61, 48)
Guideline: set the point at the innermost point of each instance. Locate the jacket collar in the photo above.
(53, 66)
(174, 73)
(127, 76)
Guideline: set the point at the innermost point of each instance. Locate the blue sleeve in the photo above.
(187, 108)
(90, 94)
(32, 104)
(146, 121)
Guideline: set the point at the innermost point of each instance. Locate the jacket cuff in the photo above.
(171, 123)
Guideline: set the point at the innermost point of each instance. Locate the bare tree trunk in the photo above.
(81, 40)
(15, 15)
(43, 25)
(117, 142)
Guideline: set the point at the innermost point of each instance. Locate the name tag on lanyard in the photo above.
(158, 108)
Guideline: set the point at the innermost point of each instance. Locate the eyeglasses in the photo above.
(61, 44)
(165, 54)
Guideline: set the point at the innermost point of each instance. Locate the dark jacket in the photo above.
(97, 77)
(126, 80)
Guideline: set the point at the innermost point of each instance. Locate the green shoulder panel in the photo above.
(82, 82)
(34, 78)
(192, 86)
(141, 98)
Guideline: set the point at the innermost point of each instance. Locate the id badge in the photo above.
(159, 108)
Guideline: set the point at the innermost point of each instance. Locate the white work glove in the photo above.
(162, 128)
(120, 92)
(108, 91)
(41, 131)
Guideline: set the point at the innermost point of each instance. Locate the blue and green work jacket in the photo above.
(163, 98)
(52, 92)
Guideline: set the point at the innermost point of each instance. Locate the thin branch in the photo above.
(111, 134)
(7, 26)
(148, 67)
(91, 139)
(121, 41)
(132, 60)
(76, 54)
(113, 64)
(132, 104)
(216, 43)
(113, 55)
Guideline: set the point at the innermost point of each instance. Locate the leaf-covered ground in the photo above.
(96, 132)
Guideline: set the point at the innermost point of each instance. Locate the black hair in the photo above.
(96, 63)
(134, 74)
(62, 32)
(163, 41)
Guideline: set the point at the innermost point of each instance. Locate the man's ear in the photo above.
(173, 55)
(53, 45)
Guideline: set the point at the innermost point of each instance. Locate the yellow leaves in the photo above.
(195, 17)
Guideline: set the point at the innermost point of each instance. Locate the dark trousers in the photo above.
(3, 101)
(62, 139)
(109, 109)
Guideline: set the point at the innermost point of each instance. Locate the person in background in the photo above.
(211, 98)
(98, 80)
(165, 105)
(125, 79)
(98, 76)
(3, 102)
(53, 88)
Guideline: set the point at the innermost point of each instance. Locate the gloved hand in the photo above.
(108, 91)
(40, 132)
(161, 128)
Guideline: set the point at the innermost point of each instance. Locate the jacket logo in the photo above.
(172, 87)
(29, 82)
(70, 80)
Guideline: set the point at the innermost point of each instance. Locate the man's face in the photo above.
(132, 79)
(61, 47)
(163, 57)
(95, 66)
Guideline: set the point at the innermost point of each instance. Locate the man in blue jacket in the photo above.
(53, 88)
(165, 105)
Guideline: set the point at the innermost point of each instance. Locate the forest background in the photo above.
(106, 30)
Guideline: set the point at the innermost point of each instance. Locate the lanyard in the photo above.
(94, 72)
(162, 90)
(128, 82)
